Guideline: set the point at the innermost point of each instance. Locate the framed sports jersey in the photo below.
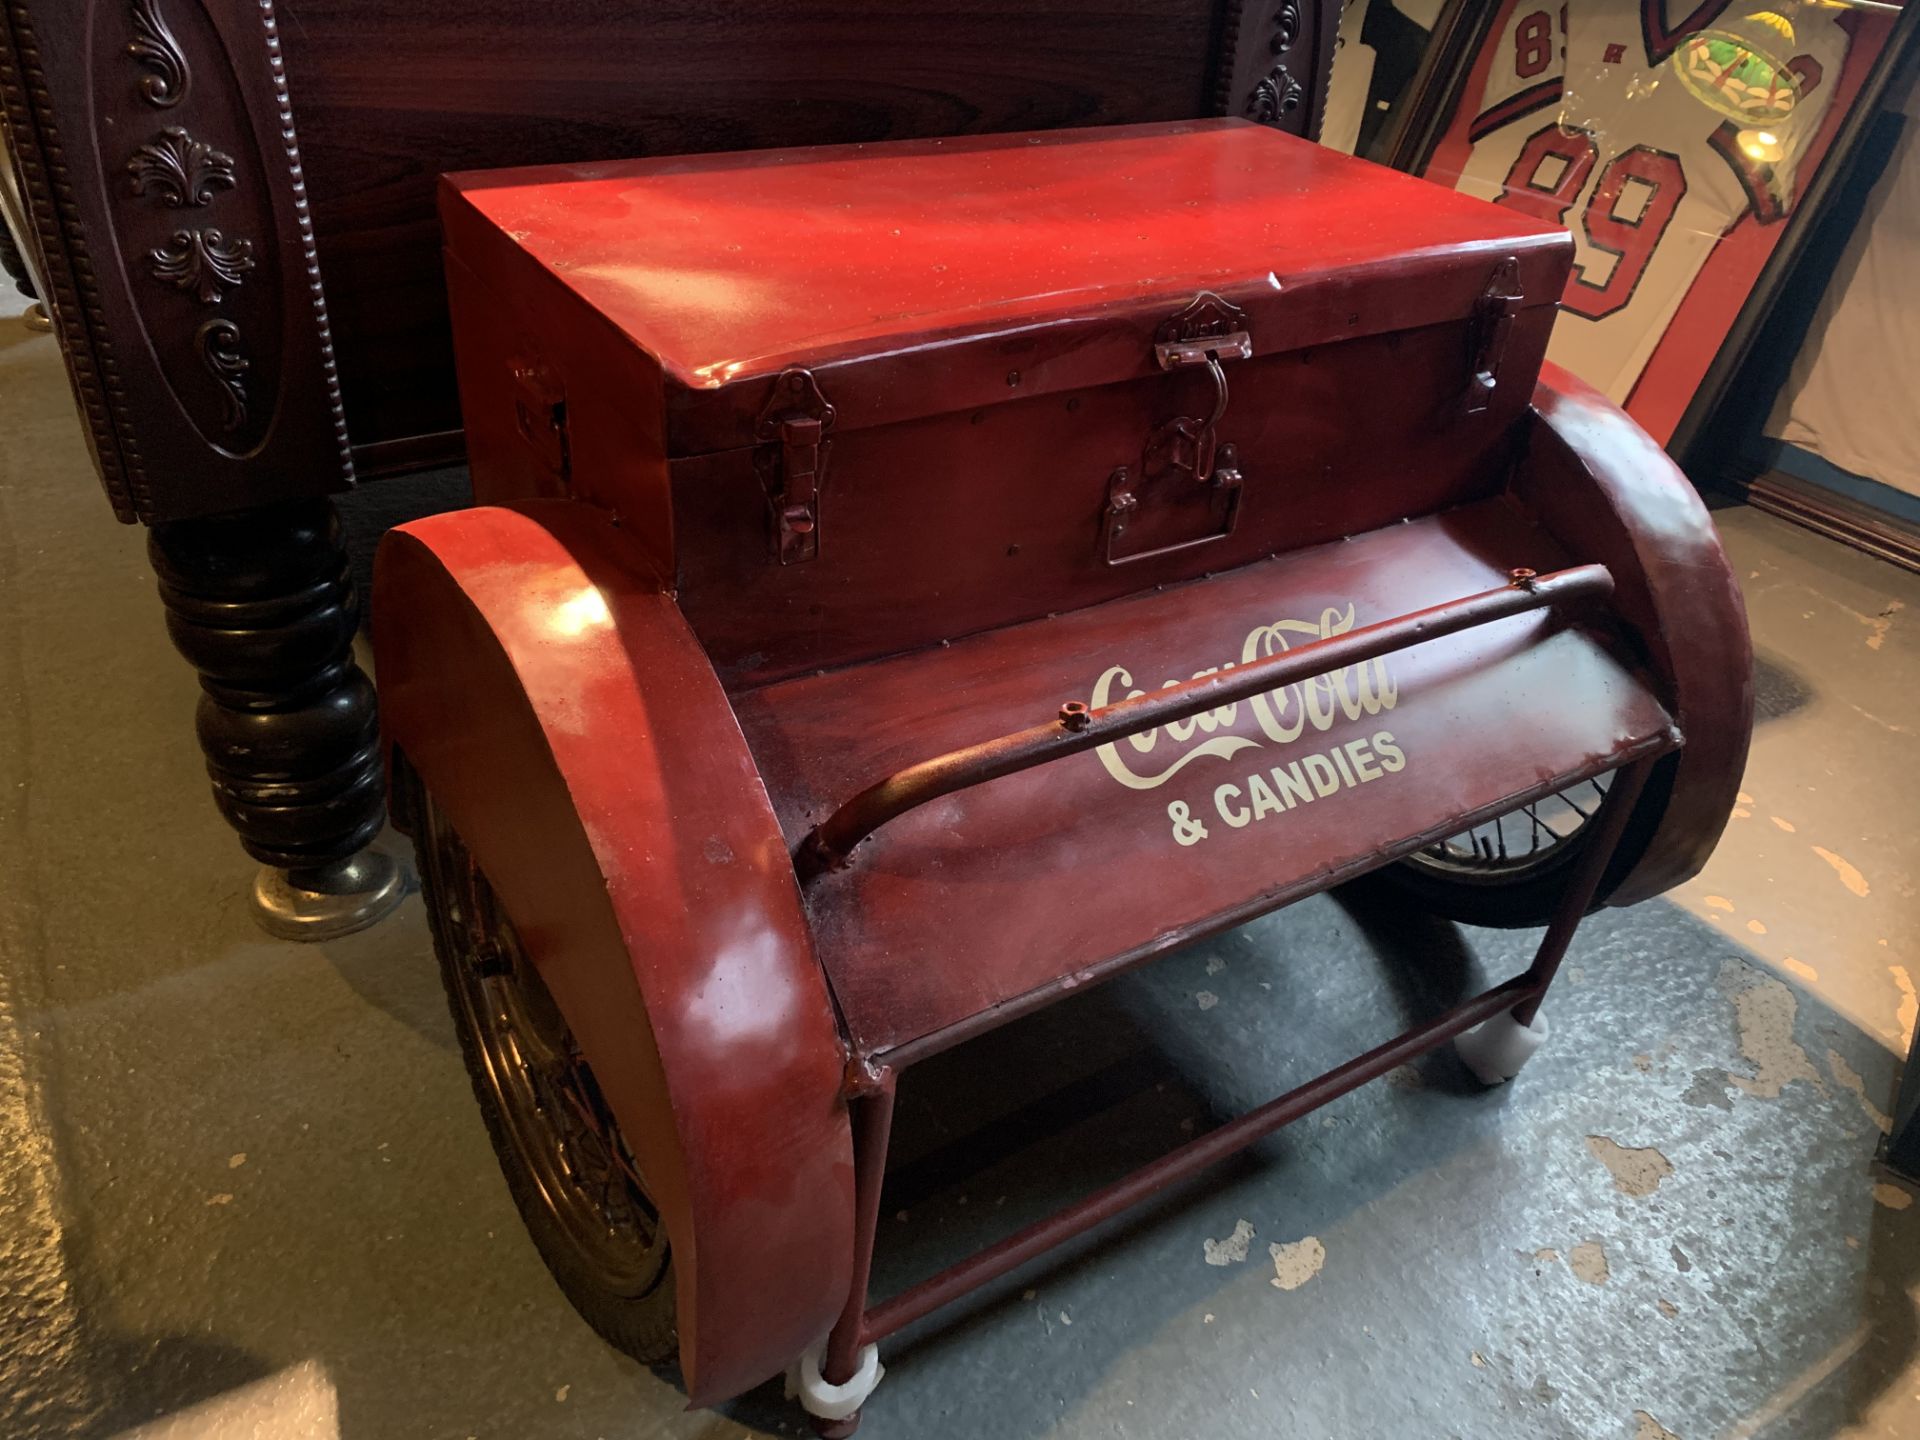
(1678, 140)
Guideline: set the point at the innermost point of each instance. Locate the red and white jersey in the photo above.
(1529, 65)
(1584, 123)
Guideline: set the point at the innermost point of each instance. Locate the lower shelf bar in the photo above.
(899, 1311)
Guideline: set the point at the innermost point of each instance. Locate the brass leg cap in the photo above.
(331, 901)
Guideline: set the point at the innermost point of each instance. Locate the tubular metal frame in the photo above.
(862, 1323)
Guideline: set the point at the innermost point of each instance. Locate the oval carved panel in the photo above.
(193, 197)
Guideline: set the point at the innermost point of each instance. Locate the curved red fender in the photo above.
(1599, 481)
(566, 718)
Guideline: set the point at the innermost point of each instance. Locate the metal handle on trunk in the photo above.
(1078, 728)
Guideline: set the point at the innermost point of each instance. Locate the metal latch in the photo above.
(1187, 488)
(1492, 323)
(1207, 332)
(540, 415)
(792, 462)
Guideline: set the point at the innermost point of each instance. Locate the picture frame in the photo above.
(1703, 342)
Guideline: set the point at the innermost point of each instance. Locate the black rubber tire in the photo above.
(643, 1326)
(1519, 904)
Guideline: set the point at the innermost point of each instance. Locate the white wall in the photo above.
(1853, 396)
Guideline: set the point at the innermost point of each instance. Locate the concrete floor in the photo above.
(244, 1190)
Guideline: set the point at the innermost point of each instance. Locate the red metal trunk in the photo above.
(977, 329)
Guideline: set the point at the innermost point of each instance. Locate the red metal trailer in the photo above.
(912, 582)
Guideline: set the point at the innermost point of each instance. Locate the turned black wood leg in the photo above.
(259, 601)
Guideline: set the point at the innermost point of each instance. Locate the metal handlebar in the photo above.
(1078, 728)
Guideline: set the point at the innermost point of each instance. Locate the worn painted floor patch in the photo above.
(1909, 1010)
(1764, 1010)
(1635, 1171)
(1588, 1261)
(1848, 1078)
(1233, 1249)
(1892, 1196)
(1850, 877)
(1294, 1265)
(1709, 1087)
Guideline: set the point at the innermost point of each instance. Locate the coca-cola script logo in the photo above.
(1282, 716)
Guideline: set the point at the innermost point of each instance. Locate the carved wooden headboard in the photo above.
(250, 316)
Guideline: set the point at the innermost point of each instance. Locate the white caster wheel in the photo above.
(833, 1402)
(1495, 1050)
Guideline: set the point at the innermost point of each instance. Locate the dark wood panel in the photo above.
(156, 151)
(391, 96)
(197, 330)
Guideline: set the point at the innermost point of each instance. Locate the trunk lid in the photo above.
(924, 277)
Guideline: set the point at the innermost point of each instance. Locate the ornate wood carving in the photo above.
(262, 606)
(1274, 62)
(181, 170)
(199, 351)
(154, 47)
(201, 262)
(218, 342)
(1279, 92)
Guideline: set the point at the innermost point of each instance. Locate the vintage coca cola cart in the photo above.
(910, 582)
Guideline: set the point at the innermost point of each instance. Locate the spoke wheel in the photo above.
(1508, 871)
(1520, 842)
(572, 1174)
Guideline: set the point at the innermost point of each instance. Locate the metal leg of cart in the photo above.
(861, 1325)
